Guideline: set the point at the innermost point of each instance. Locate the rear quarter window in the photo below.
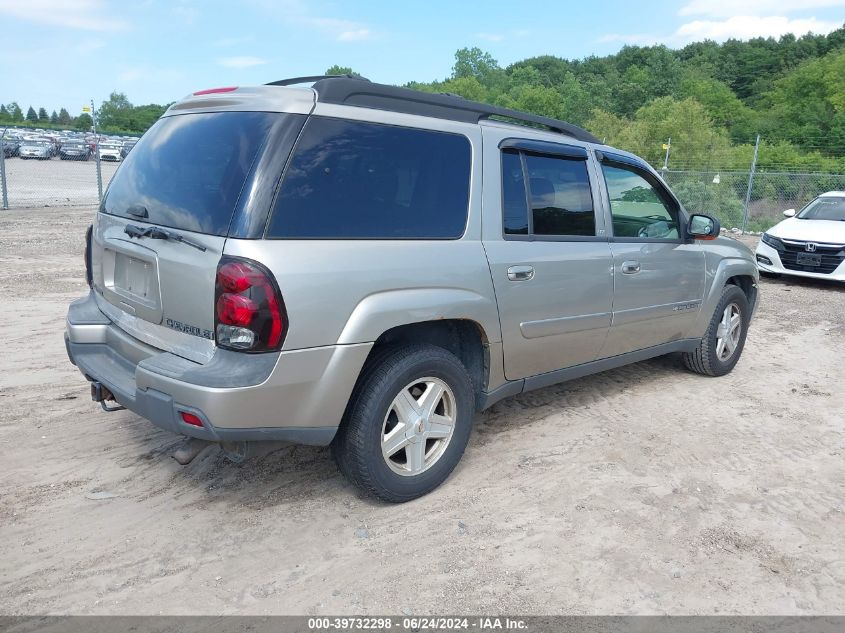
(360, 180)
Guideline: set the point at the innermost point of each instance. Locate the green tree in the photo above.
(115, 112)
(696, 141)
(722, 105)
(83, 122)
(341, 70)
(807, 106)
(54, 118)
(701, 195)
(466, 87)
(4, 114)
(64, 117)
(42, 114)
(15, 112)
(473, 62)
(142, 117)
(31, 115)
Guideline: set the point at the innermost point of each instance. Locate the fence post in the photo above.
(750, 185)
(97, 154)
(3, 168)
(668, 146)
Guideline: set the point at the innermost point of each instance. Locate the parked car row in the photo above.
(45, 144)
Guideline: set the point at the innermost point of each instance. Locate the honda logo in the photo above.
(810, 247)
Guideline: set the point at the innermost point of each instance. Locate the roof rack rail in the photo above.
(312, 78)
(346, 90)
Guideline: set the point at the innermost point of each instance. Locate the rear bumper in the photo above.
(297, 396)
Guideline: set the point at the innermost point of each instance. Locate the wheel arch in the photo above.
(736, 271)
(464, 338)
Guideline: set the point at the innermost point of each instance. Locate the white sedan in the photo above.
(110, 151)
(810, 243)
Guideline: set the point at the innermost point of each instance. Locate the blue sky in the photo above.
(65, 52)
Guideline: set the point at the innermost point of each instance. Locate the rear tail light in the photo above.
(249, 312)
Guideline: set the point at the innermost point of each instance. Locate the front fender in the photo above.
(717, 276)
(382, 311)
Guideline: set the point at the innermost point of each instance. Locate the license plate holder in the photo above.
(809, 259)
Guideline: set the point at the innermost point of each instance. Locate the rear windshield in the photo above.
(188, 171)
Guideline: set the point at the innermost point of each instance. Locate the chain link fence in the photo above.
(43, 168)
(723, 194)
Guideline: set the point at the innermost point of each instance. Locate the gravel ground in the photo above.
(643, 490)
(54, 182)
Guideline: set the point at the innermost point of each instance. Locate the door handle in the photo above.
(630, 268)
(520, 273)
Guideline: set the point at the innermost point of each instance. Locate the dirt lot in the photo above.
(641, 490)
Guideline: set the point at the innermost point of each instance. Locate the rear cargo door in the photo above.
(191, 181)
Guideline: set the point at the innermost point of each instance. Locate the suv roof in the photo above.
(357, 91)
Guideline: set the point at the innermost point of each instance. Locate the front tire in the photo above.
(407, 423)
(722, 345)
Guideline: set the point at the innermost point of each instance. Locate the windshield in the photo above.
(826, 208)
(188, 171)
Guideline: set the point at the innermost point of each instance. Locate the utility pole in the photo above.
(97, 153)
(750, 185)
(3, 168)
(667, 146)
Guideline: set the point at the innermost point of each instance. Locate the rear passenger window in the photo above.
(561, 203)
(351, 179)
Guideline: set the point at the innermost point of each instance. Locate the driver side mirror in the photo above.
(703, 227)
(790, 213)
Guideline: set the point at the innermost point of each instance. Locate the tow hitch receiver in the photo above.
(101, 394)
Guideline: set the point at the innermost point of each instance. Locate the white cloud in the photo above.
(89, 46)
(187, 14)
(745, 27)
(354, 35)
(729, 8)
(91, 15)
(741, 27)
(244, 61)
(301, 14)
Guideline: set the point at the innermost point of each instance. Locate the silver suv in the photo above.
(366, 267)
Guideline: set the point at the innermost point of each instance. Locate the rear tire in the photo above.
(722, 345)
(407, 423)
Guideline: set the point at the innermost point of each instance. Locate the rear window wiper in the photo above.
(158, 233)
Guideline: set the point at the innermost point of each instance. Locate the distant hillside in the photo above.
(712, 99)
